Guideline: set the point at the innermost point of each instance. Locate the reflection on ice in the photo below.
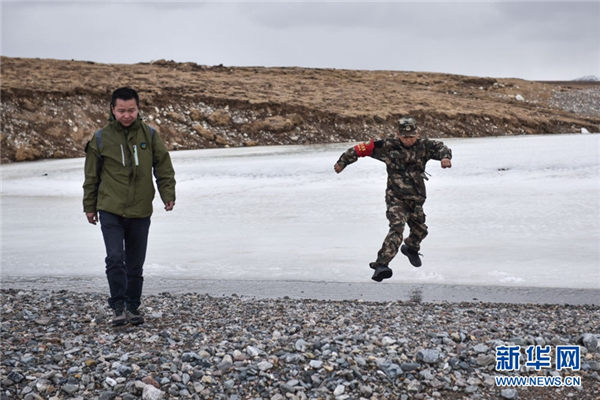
(512, 211)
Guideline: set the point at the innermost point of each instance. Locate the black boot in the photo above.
(133, 315)
(119, 317)
(413, 255)
(381, 272)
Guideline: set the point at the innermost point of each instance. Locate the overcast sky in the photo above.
(529, 40)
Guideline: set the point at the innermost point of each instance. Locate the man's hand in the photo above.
(338, 168)
(446, 163)
(92, 218)
(169, 205)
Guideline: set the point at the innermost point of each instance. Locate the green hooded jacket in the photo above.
(119, 164)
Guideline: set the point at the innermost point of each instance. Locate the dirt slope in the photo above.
(50, 108)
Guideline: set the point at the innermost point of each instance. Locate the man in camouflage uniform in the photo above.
(405, 157)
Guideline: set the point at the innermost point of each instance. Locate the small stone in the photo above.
(189, 357)
(42, 385)
(152, 393)
(413, 386)
(229, 384)
(252, 351)
(386, 341)
(426, 375)
(70, 388)
(139, 385)
(594, 365)
(203, 354)
(316, 364)
(470, 389)
(485, 360)
(339, 390)
(489, 381)
(108, 395)
(124, 370)
(481, 348)
(366, 390)
(293, 358)
(15, 376)
(265, 365)
(148, 380)
(360, 361)
(293, 382)
(198, 387)
(301, 345)
(285, 388)
(460, 382)
(409, 366)
(509, 394)
(239, 356)
(29, 360)
(430, 356)
(590, 342)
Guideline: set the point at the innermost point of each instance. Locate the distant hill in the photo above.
(588, 78)
(50, 108)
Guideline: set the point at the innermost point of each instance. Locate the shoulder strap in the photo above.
(147, 128)
(152, 132)
(98, 135)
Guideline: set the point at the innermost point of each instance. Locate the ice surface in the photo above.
(512, 211)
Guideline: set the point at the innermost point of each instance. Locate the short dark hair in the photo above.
(124, 93)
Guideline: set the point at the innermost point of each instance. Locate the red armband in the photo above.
(364, 149)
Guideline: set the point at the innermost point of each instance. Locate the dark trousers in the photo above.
(126, 240)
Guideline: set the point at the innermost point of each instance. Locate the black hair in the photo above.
(124, 93)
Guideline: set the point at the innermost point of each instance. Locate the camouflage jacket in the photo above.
(405, 165)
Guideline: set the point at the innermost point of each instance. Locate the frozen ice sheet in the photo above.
(512, 211)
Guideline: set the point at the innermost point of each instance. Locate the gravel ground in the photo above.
(60, 345)
(583, 101)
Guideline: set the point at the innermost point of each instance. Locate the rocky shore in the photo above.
(51, 108)
(60, 345)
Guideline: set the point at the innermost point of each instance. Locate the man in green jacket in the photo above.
(118, 191)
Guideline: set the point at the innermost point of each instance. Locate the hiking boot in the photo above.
(381, 272)
(134, 316)
(119, 317)
(413, 255)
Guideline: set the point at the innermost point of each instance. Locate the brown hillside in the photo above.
(50, 108)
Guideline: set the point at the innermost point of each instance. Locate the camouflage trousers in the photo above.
(399, 213)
